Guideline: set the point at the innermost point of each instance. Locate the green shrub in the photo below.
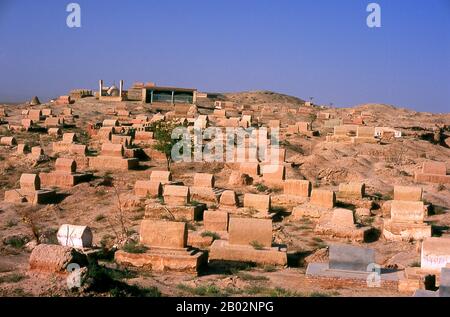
(256, 245)
(12, 278)
(261, 187)
(133, 247)
(214, 235)
(100, 217)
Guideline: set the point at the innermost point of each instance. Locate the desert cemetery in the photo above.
(167, 191)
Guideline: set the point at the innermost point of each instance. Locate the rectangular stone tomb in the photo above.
(65, 175)
(203, 180)
(433, 172)
(341, 224)
(222, 250)
(163, 234)
(167, 249)
(30, 191)
(322, 274)
(250, 240)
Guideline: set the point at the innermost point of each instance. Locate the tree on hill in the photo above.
(162, 133)
(312, 118)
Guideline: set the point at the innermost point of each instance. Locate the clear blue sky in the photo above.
(320, 48)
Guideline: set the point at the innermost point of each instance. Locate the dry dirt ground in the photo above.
(380, 166)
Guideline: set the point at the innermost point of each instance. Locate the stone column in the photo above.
(120, 88)
(100, 83)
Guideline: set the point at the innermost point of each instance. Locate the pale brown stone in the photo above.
(148, 188)
(407, 211)
(54, 258)
(163, 234)
(251, 169)
(408, 193)
(229, 199)
(323, 198)
(258, 202)
(176, 195)
(274, 173)
(435, 253)
(23, 149)
(30, 182)
(352, 190)
(66, 165)
(69, 138)
(114, 150)
(110, 123)
(250, 231)
(215, 220)
(296, 187)
(8, 140)
(438, 168)
(163, 177)
(203, 180)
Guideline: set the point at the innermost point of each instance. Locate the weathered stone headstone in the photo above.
(214, 220)
(163, 177)
(407, 211)
(30, 182)
(228, 198)
(251, 169)
(343, 218)
(66, 165)
(113, 150)
(258, 202)
(148, 188)
(163, 234)
(430, 167)
(296, 187)
(408, 193)
(176, 195)
(203, 180)
(435, 253)
(8, 140)
(250, 231)
(352, 190)
(323, 198)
